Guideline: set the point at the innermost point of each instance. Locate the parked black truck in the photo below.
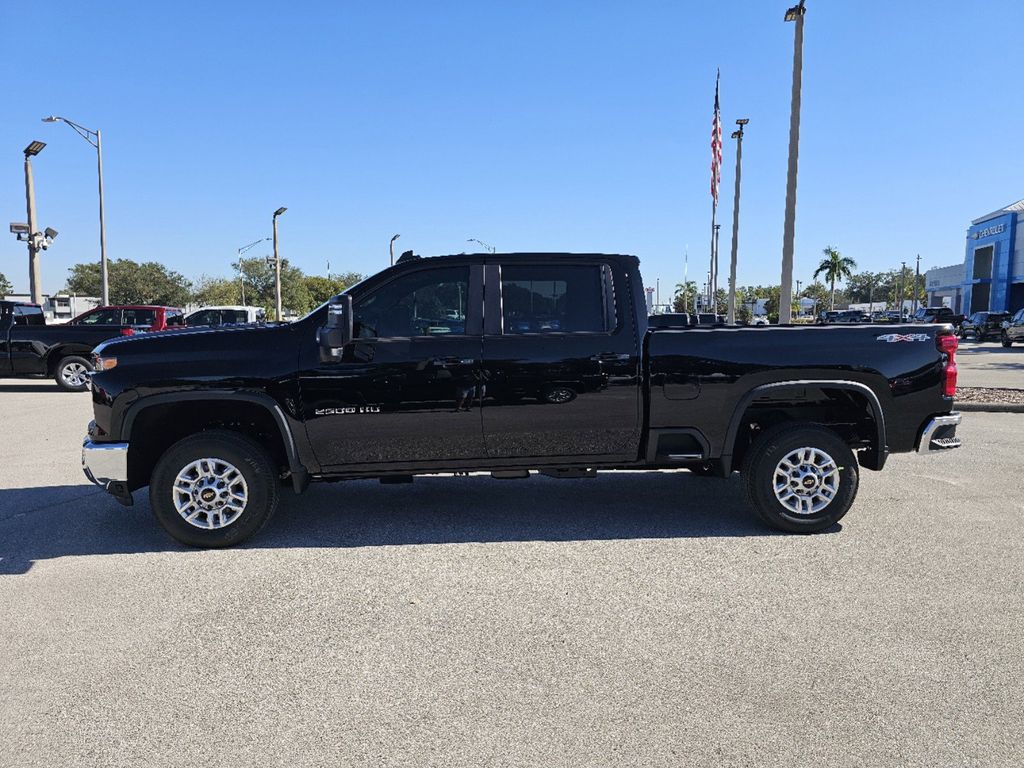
(30, 347)
(508, 363)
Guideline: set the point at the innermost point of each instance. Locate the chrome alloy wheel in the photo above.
(806, 481)
(210, 493)
(74, 375)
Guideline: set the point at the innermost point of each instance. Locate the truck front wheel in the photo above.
(214, 489)
(800, 478)
(72, 373)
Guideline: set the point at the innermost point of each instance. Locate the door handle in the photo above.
(611, 357)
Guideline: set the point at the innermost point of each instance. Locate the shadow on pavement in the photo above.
(44, 385)
(61, 521)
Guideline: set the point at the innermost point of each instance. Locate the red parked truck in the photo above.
(141, 317)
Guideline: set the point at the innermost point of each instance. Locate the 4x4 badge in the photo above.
(894, 337)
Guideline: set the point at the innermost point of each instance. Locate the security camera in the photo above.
(18, 228)
(51, 233)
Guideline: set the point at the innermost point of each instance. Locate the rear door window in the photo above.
(142, 317)
(102, 317)
(29, 316)
(543, 298)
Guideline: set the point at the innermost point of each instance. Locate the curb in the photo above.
(990, 407)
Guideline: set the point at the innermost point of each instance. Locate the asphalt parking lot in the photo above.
(632, 619)
(988, 364)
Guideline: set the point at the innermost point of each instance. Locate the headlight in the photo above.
(103, 363)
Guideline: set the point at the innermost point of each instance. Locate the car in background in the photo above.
(983, 325)
(707, 318)
(826, 316)
(225, 315)
(31, 347)
(759, 320)
(849, 316)
(140, 317)
(1013, 329)
(937, 315)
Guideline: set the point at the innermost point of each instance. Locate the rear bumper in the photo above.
(106, 465)
(939, 434)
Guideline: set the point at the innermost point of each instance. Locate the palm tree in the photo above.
(685, 295)
(835, 267)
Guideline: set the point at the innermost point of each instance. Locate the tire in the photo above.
(72, 373)
(232, 472)
(1005, 340)
(775, 450)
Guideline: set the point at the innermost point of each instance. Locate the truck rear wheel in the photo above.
(800, 478)
(72, 373)
(214, 489)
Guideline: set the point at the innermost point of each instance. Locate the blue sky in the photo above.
(577, 126)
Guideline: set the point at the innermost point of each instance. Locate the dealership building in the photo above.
(992, 275)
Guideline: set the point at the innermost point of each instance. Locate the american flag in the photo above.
(716, 146)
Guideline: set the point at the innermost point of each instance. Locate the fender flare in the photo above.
(878, 452)
(300, 475)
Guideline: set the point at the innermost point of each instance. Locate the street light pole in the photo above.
(277, 269)
(391, 248)
(95, 138)
(903, 286)
(796, 13)
(738, 135)
(917, 278)
(243, 249)
(35, 282)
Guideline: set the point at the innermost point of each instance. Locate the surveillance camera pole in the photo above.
(34, 276)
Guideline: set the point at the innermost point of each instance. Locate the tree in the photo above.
(685, 297)
(818, 292)
(834, 267)
(213, 291)
(321, 289)
(5, 285)
(258, 276)
(131, 283)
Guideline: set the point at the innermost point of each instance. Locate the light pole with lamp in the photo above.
(488, 248)
(277, 268)
(738, 135)
(243, 249)
(796, 13)
(95, 138)
(391, 248)
(799, 307)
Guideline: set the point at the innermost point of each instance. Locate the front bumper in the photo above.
(940, 434)
(106, 465)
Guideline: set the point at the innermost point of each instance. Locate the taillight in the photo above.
(947, 344)
(127, 331)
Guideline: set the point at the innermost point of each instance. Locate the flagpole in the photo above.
(716, 165)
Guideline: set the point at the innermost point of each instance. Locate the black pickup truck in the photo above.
(30, 347)
(508, 363)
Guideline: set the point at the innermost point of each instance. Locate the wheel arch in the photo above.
(874, 458)
(192, 412)
(58, 353)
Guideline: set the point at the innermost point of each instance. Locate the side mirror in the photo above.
(337, 332)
